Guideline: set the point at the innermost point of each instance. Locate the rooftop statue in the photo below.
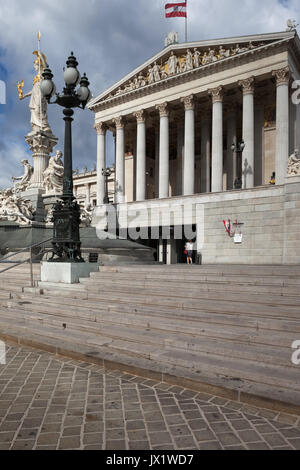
(294, 164)
(172, 38)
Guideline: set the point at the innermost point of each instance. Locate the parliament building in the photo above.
(209, 129)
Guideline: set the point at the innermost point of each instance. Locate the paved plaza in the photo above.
(49, 402)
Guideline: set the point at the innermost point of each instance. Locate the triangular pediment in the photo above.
(177, 59)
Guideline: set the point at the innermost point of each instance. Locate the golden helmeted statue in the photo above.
(37, 104)
(40, 139)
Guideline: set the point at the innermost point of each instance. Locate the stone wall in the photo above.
(271, 229)
(270, 216)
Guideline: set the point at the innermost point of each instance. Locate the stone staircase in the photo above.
(227, 330)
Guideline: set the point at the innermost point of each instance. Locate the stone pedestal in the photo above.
(41, 144)
(66, 273)
(35, 195)
(49, 200)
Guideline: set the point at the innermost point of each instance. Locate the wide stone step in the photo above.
(13, 287)
(139, 330)
(273, 270)
(167, 300)
(4, 295)
(192, 286)
(185, 290)
(184, 309)
(168, 319)
(192, 279)
(75, 291)
(101, 288)
(229, 376)
(245, 370)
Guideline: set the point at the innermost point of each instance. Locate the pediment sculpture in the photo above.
(294, 164)
(176, 64)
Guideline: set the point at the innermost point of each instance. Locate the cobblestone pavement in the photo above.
(49, 402)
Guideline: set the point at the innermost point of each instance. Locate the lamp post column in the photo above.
(68, 170)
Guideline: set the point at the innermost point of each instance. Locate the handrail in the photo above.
(30, 259)
(25, 249)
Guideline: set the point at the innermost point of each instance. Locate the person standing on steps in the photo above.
(189, 247)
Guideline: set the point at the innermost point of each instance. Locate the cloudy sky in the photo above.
(109, 39)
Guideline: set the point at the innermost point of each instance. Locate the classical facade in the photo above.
(178, 115)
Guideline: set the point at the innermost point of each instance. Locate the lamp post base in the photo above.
(66, 273)
(66, 240)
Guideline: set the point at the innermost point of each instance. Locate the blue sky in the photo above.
(109, 39)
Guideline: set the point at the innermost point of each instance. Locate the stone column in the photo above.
(87, 195)
(189, 146)
(282, 123)
(101, 161)
(41, 144)
(231, 160)
(248, 132)
(205, 151)
(292, 125)
(217, 139)
(156, 162)
(120, 160)
(134, 165)
(141, 156)
(163, 150)
(259, 120)
(180, 156)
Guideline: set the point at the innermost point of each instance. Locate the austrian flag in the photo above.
(175, 9)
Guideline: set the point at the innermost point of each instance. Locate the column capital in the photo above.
(189, 103)
(119, 122)
(140, 116)
(247, 85)
(100, 127)
(163, 109)
(282, 76)
(216, 94)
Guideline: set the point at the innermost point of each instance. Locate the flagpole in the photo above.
(186, 32)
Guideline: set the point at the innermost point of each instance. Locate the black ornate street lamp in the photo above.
(106, 172)
(238, 149)
(66, 214)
